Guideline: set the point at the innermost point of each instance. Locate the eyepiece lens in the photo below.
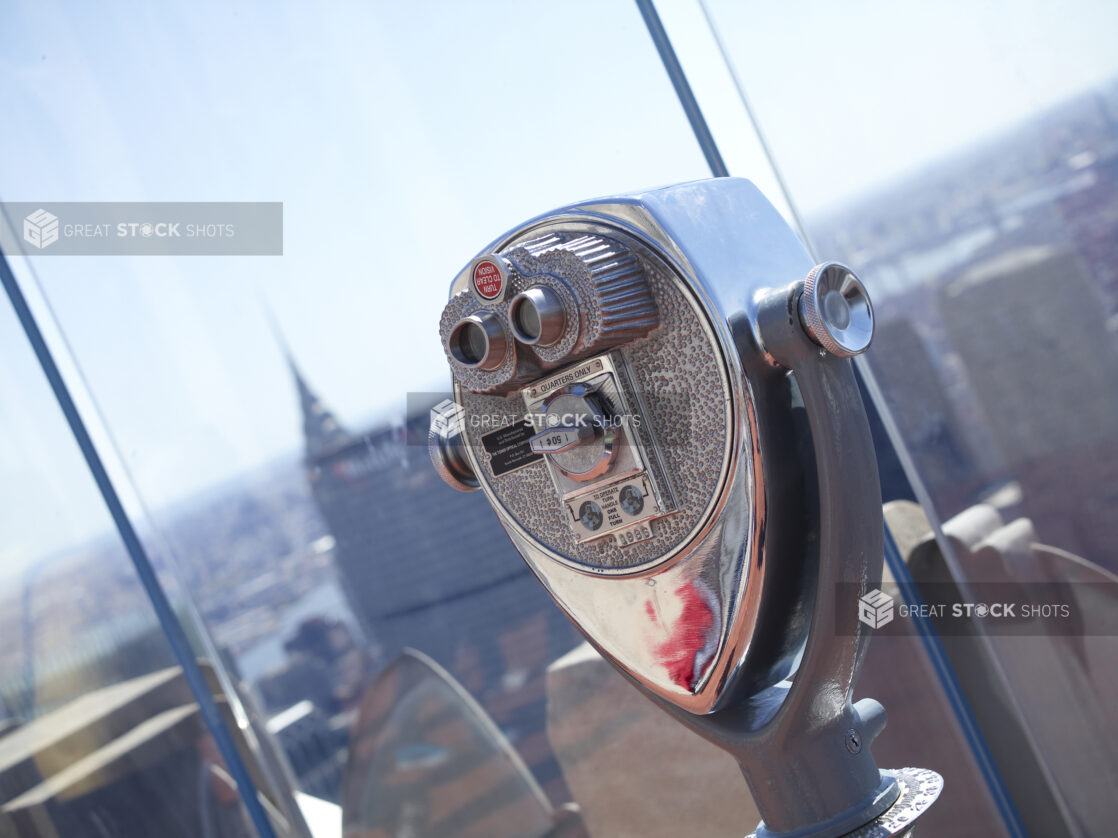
(527, 319)
(478, 341)
(470, 342)
(537, 316)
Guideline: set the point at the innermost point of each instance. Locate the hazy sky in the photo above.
(854, 93)
(401, 138)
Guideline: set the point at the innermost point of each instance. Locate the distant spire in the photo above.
(321, 431)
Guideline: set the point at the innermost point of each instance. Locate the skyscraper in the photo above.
(923, 413)
(429, 568)
(1031, 332)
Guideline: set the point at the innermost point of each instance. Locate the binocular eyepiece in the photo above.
(551, 300)
(479, 341)
(535, 317)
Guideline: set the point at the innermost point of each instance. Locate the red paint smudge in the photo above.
(650, 611)
(689, 635)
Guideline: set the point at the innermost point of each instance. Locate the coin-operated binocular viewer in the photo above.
(654, 392)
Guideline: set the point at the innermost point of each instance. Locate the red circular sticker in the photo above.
(487, 280)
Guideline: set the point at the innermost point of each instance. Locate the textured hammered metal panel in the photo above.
(608, 279)
(681, 377)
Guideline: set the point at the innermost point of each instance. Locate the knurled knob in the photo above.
(835, 310)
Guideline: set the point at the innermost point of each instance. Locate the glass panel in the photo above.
(261, 404)
(99, 732)
(964, 158)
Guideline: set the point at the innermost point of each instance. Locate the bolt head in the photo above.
(853, 741)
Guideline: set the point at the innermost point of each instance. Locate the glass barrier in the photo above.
(965, 160)
(99, 731)
(272, 412)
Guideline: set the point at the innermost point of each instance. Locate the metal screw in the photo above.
(853, 741)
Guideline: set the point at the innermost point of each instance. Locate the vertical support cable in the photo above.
(682, 88)
(172, 629)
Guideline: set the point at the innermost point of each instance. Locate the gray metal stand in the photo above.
(803, 747)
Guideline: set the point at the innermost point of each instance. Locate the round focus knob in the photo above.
(446, 444)
(836, 311)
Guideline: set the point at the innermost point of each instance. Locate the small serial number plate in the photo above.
(634, 534)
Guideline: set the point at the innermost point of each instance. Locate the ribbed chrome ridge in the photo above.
(610, 283)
